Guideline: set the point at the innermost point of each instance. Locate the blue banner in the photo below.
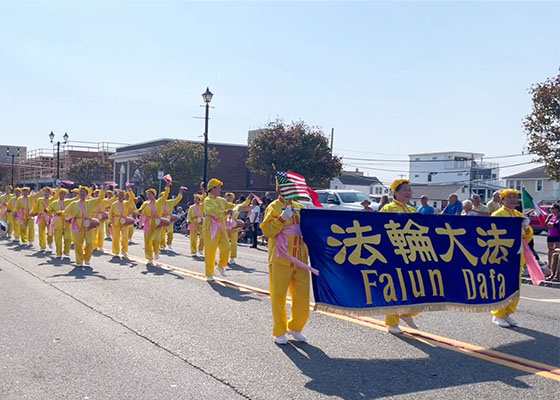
(378, 263)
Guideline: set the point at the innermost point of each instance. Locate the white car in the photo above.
(349, 200)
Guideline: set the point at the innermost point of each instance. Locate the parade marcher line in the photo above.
(496, 357)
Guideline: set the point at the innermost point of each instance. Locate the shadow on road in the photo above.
(154, 270)
(241, 268)
(376, 378)
(81, 273)
(533, 348)
(122, 261)
(231, 292)
(56, 262)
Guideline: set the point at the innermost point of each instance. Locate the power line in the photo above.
(428, 172)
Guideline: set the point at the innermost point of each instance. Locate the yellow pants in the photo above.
(44, 238)
(166, 233)
(233, 236)
(393, 319)
(297, 281)
(120, 239)
(151, 243)
(83, 253)
(99, 235)
(107, 229)
(12, 228)
(27, 230)
(195, 236)
(59, 235)
(130, 232)
(210, 248)
(511, 307)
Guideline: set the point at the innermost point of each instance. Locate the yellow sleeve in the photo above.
(163, 197)
(211, 208)
(172, 203)
(273, 223)
(190, 214)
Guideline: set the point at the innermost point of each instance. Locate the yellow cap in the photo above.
(228, 194)
(153, 191)
(62, 190)
(84, 188)
(212, 183)
(75, 190)
(506, 192)
(197, 196)
(17, 190)
(26, 188)
(397, 183)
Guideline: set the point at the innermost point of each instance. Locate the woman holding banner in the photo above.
(510, 199)
(401, 194)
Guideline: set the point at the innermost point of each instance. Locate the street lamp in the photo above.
(51, 137)
(207, 97)
(13, 157)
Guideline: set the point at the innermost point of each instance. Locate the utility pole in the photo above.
(471, 176)
(332, 141)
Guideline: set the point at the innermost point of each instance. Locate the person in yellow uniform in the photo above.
(194, 219)
(109, 195)
(122, 208)
(216, 210)
(151, 211)
(130, 196)
(510, 199)
(102, 207)
(81, 210)
(233, 231)
(286, 253)
(23, 212)
(5, 200)
(167, 232)
(402, 193)
(60, 223)
(41, 210)
(13, 225)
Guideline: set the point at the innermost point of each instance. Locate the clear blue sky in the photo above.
(390, 77)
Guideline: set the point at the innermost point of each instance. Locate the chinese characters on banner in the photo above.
(376, 263)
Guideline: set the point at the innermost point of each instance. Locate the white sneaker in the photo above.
(60, 257)
(409, 321)
(156, 256)
(67, 256)
(501, 322)
(200, 254)
(298, 336)
(511, 321)
(210, 279)
(281, 339)
(124, 255)
(395, 330)
(232, 261)
(50, 246)
(150, 263)
(79, 265)
(101, 250)
(222, 271)
(87, 263)
(169, 248)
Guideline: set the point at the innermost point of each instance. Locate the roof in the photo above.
(359, 180)
(164, 141)
(467, 153)
(534, 173)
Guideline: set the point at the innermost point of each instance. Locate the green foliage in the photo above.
(182, 160)
(543, 125)
(295, 147)
(91, 170)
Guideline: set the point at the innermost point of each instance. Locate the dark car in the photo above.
(535, 223)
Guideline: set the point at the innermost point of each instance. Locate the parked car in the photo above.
(535, 223)
(349, 200)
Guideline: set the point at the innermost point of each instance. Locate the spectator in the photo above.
(554, 267)
(495, 204)
(425, 208)
(454, 207)
(383, 202)
(553, 224)
(468, 208)
(443, 205)
(254, 220)
(478, 207)
(366, 204)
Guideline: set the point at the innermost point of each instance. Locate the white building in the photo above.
(543, 189)
(456, 167)
(355, 180)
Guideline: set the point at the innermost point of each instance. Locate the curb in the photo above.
(555, 285)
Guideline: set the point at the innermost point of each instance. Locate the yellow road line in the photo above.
(496, 357)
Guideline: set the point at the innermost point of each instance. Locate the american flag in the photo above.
(293, 186)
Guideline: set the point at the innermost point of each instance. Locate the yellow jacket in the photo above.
(503, 211)
(273, 224)
(90, 206)
(191, 214)
(29, 207)
(146, 210)
(57, 209)
(216, 207)
(398, 207)
(170, 205)
(105, 203)
(127, 206)
(11, 203)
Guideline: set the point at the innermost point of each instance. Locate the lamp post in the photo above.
(51, 137)
(207, 97)
(13, 157)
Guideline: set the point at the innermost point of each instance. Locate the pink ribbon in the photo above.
(75, 220)
(535, 271)
(55, 218)
(215, 226)
(282, 243)
(146, 220)
(21, 213)
(192, 227)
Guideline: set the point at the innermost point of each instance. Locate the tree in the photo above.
(543, 125)
(90, 170)
(182, 160)
(295, 147)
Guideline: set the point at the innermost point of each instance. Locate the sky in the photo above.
(391, 78)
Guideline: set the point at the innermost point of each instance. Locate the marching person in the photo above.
(194, 219)
(130, 196)
(24, 215)
(82, 211)
(167, 232)
(231, 224)
(60, 223)
(5, 200)
(152, 211)
(287, 263)
(13, 225)
(103, 229)
(109, 195)
(509, 200)
(401, 193)
(41, 209)
(216, 210)
(118, 213)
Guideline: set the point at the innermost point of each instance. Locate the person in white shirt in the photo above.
(254, 220)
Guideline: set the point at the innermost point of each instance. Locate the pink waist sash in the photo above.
(282, 243)
(215, 225)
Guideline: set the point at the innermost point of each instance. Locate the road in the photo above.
(125, 331)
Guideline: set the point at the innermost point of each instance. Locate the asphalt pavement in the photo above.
(122, 330)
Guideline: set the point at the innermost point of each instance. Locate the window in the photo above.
(429, 177)
(459, 174)
(416, 175)
(510, 184)
(463, 189)
(539, 185)
(352, 197)
(518, 184)
(434, 158)
(435, 204)
(414, 203)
